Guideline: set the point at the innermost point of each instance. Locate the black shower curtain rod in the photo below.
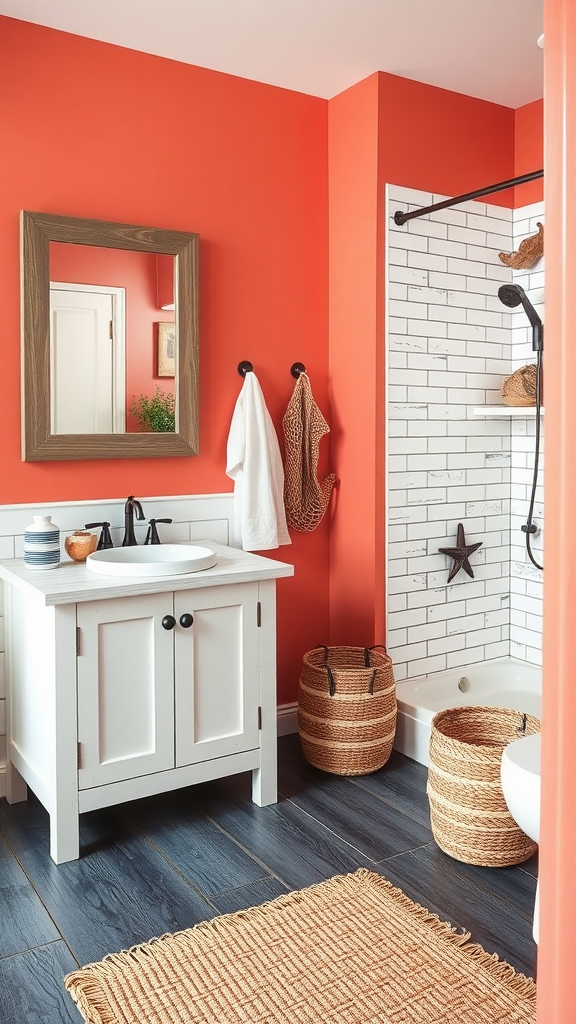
(400, 217)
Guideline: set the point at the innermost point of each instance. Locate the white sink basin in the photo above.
(152, 560)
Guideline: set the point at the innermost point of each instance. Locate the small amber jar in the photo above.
(80, 544)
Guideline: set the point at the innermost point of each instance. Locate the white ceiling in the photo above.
(484, 48)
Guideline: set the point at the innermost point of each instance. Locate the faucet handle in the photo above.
(152, 535)
(105, 540)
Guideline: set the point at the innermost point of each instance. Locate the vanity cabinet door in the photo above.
(125, 689)
(216, 672)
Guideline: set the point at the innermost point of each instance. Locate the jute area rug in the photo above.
(352, 950)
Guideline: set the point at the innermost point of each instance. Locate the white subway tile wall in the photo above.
(450, 343)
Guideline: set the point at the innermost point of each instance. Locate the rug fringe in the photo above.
(87, 996)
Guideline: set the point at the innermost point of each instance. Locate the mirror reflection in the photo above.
(112, 340)
(109, 337)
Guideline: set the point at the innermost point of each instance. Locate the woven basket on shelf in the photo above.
(519, 389)
(347, 709)
(468, 814)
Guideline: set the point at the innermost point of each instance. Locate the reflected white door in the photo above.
(87, 359)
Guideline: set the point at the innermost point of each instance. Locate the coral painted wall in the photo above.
(385, 129)
(94, 130)
(356, 363)
(529, 151)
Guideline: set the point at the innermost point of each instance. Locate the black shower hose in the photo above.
(529, 526)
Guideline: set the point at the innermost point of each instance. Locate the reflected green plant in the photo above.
(157, 414)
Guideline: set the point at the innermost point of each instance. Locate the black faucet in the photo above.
(131, 506)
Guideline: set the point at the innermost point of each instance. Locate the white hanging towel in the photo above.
(255, 465)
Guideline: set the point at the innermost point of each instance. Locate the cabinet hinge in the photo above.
(258, 613)
(78, 641)
(79, 755)
(259, 718)
(111, 331)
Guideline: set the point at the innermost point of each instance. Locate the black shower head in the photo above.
(512, 295)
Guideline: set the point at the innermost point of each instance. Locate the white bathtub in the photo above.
(503, 682)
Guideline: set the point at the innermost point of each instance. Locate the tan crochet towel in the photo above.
(305, 498)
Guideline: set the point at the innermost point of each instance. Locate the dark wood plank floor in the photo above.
(165, 863)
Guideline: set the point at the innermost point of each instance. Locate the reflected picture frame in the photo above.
(166, 350)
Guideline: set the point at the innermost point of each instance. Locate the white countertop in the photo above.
(71, 582)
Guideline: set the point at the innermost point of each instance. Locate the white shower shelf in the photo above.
(502, 411)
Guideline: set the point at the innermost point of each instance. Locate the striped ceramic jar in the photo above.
(42, 544)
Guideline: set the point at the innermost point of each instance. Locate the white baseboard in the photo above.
(287, 719)
(287, 722)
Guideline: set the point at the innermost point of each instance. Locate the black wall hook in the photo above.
(296, 369)
(245, 367)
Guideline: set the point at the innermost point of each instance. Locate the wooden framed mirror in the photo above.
(41, 440)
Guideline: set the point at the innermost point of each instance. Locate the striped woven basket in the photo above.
(468, 814)
(347, 709)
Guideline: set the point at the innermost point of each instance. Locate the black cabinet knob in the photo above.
(186, 620)
(168, 622)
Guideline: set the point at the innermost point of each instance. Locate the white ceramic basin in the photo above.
(520, 777)
(152, 560)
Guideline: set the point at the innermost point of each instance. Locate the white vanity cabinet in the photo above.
(155, 694)
(119, 689)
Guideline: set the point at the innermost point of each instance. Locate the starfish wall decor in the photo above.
(460, 554)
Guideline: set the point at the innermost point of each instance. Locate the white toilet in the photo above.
(520, 777)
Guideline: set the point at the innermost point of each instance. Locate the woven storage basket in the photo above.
(519, 389)
(468, 814)
(347, 709)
